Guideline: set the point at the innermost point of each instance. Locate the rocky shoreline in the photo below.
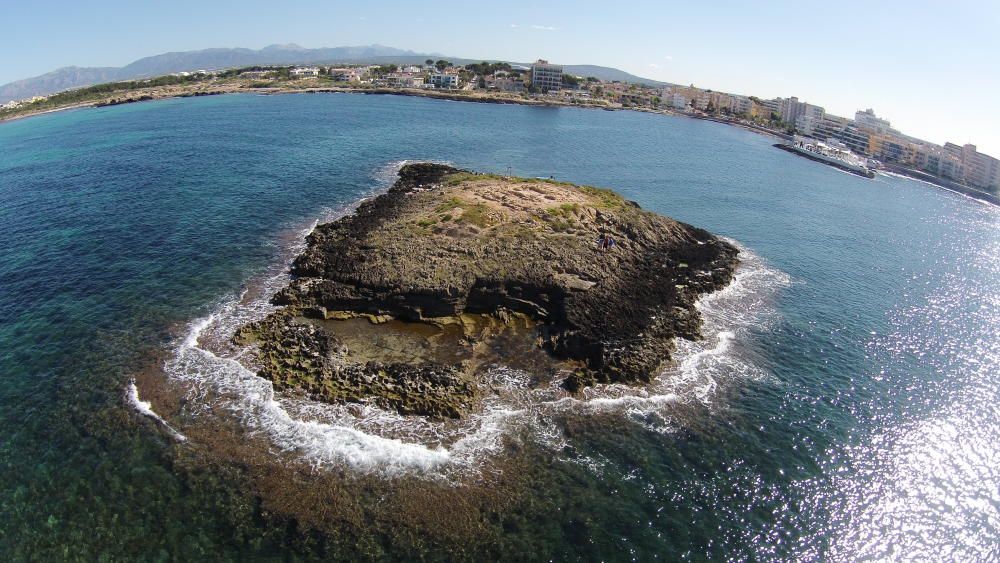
(454, 272)
(198, 90)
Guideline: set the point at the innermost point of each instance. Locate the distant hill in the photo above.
(213, 59)
(57, 81)
(609, 74)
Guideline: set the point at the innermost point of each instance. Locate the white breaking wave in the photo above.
(699, 367)
(146, 409)
(368, 438)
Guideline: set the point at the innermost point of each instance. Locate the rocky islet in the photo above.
(589, 282)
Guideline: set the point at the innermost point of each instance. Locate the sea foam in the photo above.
(146, 409)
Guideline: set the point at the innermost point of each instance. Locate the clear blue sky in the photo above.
(931, 67)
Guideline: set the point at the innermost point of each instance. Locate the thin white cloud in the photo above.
(653, 65)
(535, 26)
(668, 57)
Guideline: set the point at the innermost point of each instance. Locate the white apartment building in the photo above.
(546, 77)
(742, 104)
(806, 125)
(791, 109)
(772, 106)
(441, 80)
(936, 160)
(870, 122)
(979, 170)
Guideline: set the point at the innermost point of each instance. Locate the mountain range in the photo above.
(212, 59)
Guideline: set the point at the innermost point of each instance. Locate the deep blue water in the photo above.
(852, 415)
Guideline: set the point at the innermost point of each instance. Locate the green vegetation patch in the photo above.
(477, 214)
(450, 204)
(562, 218)
(472, 213)
(551, 181)
(462, 177)
(567, 210)
(605, 197)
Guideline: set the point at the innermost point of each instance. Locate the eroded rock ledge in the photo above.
(469, 254)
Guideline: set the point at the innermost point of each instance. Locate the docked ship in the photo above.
(832, 155)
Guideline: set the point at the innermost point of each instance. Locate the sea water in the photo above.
(842, 404)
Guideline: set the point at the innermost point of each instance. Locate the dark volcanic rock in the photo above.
(444, 242)
(301, 356)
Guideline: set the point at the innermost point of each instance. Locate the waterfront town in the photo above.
(866, 135)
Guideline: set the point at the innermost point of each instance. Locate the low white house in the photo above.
(404, 80)
(304, 71)
(255, 74)
(505, 84)
(347, 74)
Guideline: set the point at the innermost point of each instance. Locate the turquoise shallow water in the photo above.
(843, 405)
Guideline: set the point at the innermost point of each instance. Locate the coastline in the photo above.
(171, 92)
(942, 184)
(81, 105)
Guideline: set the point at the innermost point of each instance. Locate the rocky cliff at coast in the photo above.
(407, 301)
